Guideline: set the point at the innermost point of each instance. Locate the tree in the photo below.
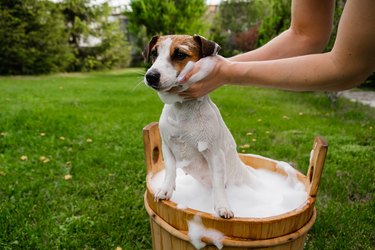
(32, 38)
(154, 17)
(86, 23)
(277, 19)
(235, 25)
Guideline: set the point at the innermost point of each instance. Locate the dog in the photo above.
(194, 135)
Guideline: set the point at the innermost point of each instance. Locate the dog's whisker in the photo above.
(137, 85)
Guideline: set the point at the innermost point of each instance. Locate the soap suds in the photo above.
(197, 231)
(202, 146)
(276, 195)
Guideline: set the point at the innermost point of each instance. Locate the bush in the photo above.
(277, 19)
(32, 38)
(235, 26)
(84, 22)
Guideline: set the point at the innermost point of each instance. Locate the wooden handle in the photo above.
(152, 147)
(317, 158)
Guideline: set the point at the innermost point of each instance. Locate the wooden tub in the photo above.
(286, 231)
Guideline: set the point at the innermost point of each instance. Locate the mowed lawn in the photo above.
(72, 172)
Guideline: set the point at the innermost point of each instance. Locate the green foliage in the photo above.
(32, 38)
(85, 22)
(39, 36)
(235, 25)
(101, 206)
(277, 19)
(336, 18)
(155, 17)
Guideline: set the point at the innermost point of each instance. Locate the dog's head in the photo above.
(169, 56)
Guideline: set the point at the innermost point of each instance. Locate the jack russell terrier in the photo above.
(194, 135)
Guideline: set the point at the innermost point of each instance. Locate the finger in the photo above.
(190, 76)
(188, 67)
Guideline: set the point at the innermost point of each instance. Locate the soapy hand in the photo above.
(203, 77)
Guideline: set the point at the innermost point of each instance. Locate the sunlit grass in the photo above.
(72, 173)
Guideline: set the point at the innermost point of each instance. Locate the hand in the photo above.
(204, 76)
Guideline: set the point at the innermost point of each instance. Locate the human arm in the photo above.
(351, 60)
(309, 32)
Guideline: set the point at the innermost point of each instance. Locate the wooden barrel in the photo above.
(169, 224)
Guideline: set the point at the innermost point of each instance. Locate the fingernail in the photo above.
(180, 78)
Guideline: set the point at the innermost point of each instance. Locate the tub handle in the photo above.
(152, 147)
(317, 159)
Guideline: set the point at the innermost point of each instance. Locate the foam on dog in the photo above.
(276, 195)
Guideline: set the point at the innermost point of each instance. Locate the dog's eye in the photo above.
(154, 54)
(178, 55)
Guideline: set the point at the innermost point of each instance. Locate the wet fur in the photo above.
(193, 133)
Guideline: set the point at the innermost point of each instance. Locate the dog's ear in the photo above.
(208, 48)
(147, 50)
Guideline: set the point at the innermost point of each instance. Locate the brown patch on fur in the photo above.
(187, 45)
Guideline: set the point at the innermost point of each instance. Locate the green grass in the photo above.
(89, 127)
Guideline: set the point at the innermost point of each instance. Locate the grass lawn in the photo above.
(72, 172)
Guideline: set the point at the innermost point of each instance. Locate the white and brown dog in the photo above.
(194, 135)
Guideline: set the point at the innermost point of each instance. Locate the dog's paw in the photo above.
(224, 212)
(163, 194)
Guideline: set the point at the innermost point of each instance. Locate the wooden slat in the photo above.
(316, 166)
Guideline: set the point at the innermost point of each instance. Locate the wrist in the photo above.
(227, 69)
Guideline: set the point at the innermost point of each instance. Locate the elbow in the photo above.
(314, 42)
(318, 45)
(318, 42)
(351, 78)
(357, 79)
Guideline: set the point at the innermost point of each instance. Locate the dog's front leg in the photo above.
(169, 183)
(216, 164)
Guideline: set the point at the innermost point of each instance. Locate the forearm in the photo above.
(351, 60)
(287, 44)
(317, 72)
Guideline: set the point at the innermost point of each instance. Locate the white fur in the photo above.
(195, 130)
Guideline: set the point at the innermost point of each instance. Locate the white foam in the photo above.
(276, 194)
(197, 231)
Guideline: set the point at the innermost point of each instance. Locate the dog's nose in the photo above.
(153, 79)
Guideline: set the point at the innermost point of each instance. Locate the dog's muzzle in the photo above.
(153, 79)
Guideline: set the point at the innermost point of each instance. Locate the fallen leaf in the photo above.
(68, 177)
(24, 158)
